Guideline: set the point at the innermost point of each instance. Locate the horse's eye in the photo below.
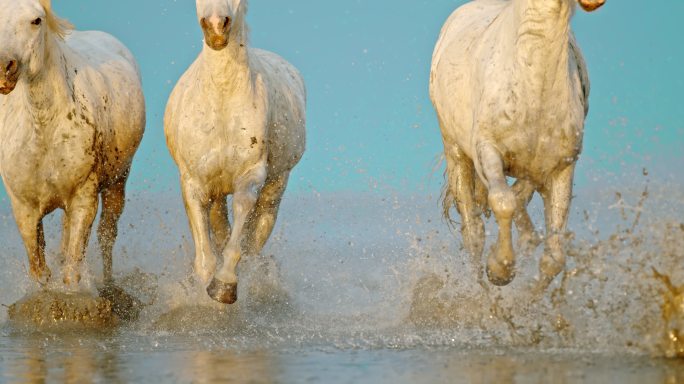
(37, 21)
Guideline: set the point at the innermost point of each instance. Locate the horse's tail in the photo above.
(448, 200)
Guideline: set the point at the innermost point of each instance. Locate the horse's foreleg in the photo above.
(29, 223)
(113, 201)
(262, 220)
(528, 238)
(81, 210)
(220, 225)
(196, 204)
(502, 200)
(65, 238)
(461, 179)
(557, 196)
(223, 287)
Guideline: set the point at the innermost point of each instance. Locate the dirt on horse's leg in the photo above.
(528, 238)
(557, 196)
(502, 200)
(196, 202)
(218, 220)
(81, 211)
(113, 201)
(262, 220)
(461, 179)
(223, 288)
(29, 223)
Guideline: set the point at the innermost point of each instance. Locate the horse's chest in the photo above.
(226, 138)
(49, 165)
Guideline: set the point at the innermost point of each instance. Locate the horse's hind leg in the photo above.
(29, 223)
(263, 218)
(220, 225)
(462, 183)
(557, 196)
(528, 238)
(113, 201)
(502, 200)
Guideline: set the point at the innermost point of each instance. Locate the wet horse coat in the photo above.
(511, 89)
(71, 119)
(234, 124)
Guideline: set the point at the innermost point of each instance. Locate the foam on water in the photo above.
(371, 271)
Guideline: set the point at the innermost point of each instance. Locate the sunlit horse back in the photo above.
(71, 119)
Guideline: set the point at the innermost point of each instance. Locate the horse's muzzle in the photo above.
(9, 76)
(216, 30)
(591, 5)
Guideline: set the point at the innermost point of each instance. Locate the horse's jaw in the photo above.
(217, 45)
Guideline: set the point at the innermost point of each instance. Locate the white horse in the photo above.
(234, 125)
(71, 120)
(511, 90)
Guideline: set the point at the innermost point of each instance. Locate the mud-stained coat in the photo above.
(511, 89)
(235, 125)
(70, 124)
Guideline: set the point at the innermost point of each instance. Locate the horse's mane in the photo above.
(244, 33)
(60, 27)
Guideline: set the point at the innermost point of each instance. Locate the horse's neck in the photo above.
(227, 70)
(48, 91)
(542, 29)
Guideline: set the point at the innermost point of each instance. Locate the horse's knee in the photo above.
(503, 202)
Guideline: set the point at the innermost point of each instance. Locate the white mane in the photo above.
(58, 26)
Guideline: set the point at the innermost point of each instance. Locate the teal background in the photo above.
(371, 126)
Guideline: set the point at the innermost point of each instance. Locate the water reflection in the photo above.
(226, 366)
(130, 358)
(41, 359)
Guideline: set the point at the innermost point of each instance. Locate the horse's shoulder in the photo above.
(466, 24)
(272, 65)
(97, 47)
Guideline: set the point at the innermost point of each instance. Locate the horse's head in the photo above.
(591, 5)
(25, 27)
(222, 21)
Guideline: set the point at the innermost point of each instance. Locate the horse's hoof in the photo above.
(225, 293)
(499, 274)
(42, 276)
(540, 287)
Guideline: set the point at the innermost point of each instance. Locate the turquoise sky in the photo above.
(371, 126)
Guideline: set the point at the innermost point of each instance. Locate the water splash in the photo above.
(371, 271)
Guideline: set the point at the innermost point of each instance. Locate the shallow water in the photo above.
(370, 288)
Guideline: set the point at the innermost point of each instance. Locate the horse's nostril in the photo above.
(226, 23)
(11, 65)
